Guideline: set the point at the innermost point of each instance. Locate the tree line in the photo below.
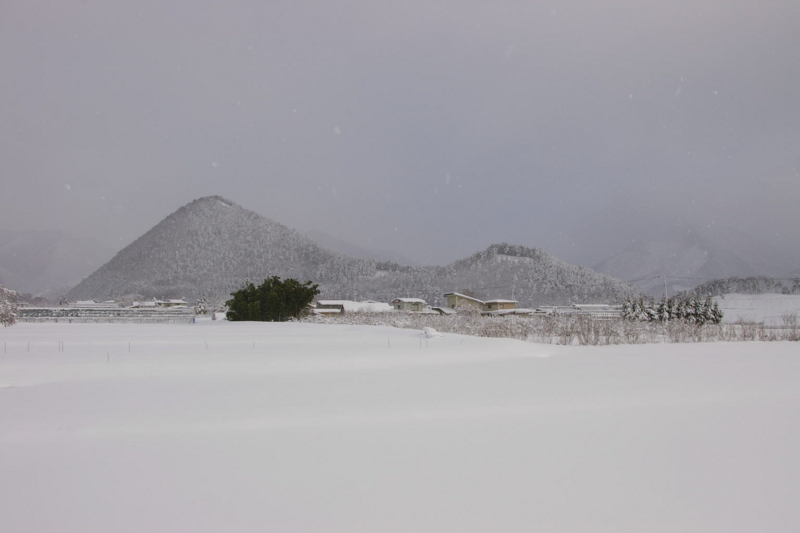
(691, 309)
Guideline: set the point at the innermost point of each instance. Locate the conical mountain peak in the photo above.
(210, 246)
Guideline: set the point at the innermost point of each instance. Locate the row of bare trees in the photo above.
(576, 329)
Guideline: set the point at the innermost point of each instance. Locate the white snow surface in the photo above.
(220, 426)
(767, 308)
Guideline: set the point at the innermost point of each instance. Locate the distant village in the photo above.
(179, 310)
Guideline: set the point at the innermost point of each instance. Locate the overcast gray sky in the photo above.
(430, 127)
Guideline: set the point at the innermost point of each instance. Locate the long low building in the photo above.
(592, 310)
(168, 315)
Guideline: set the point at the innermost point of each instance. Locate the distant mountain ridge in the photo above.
(687, 257)
(210, 246)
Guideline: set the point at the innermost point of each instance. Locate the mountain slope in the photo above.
(534, 277)
(40, 261)
(211, 245)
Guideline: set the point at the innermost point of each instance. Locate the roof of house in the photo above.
(350, 305)
(409, 300)
(326, 311)
(463, 296)
(500, 301)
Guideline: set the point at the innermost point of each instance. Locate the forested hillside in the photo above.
(210, 246)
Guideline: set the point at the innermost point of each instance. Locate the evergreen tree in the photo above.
(201, 306)
(716, 313)
(272, 301)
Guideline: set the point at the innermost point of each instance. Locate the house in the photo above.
(91, 304)
(145, 305)
(173, 303)
(330, 306)
(510, 312)
(456, 299)
(499, 304)
(599, 311)
(602, 311)
(443, 310)
(408, 304)
(351, 306)
(325, 311)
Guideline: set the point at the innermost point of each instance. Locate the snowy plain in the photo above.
(767, 308)
(220, 426)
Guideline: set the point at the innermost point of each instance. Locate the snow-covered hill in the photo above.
(211, 245)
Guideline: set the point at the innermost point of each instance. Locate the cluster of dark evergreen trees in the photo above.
(272, 301)
(690, 309)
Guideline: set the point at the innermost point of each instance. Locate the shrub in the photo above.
(272, 301)
(8, 306)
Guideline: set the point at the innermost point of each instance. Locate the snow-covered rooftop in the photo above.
(350, 305)
(463, 296)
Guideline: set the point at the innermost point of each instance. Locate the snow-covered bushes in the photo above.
(8, 306)
(792, 327)
(569, 329)
(688, 309)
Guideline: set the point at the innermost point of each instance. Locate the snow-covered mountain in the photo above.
(688, 256)
(38, 262)
(531, 276)
(210, 246)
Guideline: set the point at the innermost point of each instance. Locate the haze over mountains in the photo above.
(210, 246)
(47, 262)
(354, 250)
(688, 256)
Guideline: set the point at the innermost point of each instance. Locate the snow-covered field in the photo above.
(767, 308)
(233, 427)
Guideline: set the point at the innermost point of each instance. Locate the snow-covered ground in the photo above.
(232, 427)
(767, 308)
